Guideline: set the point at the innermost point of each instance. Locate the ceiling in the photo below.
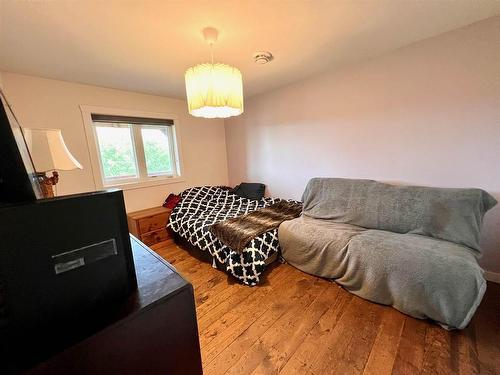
(147, 45)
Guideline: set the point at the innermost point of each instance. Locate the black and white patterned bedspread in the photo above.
(203, 206)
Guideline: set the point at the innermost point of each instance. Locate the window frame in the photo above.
(143, 179)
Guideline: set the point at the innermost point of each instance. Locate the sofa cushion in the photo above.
(454, 215)
(420, 276)
(308, 243)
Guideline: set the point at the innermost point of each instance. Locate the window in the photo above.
(116, 151)
(134, 150)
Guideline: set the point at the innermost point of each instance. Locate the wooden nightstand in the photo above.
(149, 225)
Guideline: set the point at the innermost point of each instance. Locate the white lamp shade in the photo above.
(48, 150)
(214, 91)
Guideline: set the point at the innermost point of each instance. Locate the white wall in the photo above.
(426, 114)
(39, 102)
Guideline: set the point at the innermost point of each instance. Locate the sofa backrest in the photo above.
(454, 215)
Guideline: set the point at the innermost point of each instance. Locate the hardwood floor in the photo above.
(294, 323)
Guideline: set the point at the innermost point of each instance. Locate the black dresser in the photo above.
(154, 331)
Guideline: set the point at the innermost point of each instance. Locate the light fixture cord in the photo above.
(212, 53)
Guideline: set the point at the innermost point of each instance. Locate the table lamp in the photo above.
(49, 154)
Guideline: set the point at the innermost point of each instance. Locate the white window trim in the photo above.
(87, 112)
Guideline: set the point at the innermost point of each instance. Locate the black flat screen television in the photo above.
(18, 181)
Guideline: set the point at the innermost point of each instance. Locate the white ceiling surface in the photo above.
(146, 46)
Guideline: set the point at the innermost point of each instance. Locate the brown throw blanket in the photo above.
(237, 232)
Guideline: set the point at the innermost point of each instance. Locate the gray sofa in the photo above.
(414, 248)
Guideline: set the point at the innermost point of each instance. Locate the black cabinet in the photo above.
(153, 332)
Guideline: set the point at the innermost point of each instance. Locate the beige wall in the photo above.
(426, 114)
(40, 102)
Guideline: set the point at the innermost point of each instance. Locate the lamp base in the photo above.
(47, 183)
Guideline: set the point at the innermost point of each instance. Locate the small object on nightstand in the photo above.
(150, 225)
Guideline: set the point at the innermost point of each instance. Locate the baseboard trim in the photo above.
(492, 276)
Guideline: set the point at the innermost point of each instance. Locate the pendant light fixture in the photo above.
(214, 90)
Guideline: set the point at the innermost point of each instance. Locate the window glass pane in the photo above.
(157, 150)
(117, 152)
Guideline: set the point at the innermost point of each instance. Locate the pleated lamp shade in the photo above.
(214, 91)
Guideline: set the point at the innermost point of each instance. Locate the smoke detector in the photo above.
(262, 57)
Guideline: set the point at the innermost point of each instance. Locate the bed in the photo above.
(200, 207)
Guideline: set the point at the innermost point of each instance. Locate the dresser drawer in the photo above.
(155, 236)
(151, 223)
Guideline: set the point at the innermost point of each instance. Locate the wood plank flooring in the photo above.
(294, 323)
